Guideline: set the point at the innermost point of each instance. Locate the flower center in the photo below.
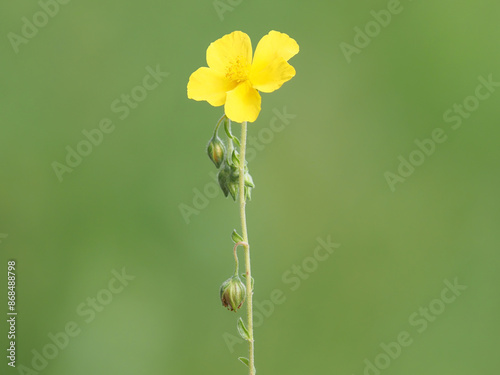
(238, 70)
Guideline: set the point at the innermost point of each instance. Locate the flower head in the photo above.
(234, 78)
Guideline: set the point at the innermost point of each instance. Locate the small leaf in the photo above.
(243, 331)
(248, 193)
(245, 361)
(235, 158)
(249, 180)
(236, 237)
(233, 190)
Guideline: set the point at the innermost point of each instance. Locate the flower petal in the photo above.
(243, 103)
(205, 84)
(272, 76)
(226, 50)
(269, 67)
(272, 45)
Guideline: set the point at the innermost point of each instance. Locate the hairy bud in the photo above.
(216, 151)
(232, 293)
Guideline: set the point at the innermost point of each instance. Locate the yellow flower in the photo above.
(234, 79)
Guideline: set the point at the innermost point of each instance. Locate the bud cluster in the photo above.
(226, 159)
(228, 163)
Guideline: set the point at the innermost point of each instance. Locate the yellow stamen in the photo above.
(238, 70)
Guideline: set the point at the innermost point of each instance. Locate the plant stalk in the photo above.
(251, 364)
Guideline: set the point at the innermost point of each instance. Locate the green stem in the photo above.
(230, 135)
(237, 266)
(247, 246)
(218, 124)
(229, 139)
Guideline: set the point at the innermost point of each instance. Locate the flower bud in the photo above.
(228, 179)
(233, 189)
(232, 293)
(216, 151)
(224, 178)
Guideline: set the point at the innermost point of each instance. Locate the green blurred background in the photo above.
(322, 176)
